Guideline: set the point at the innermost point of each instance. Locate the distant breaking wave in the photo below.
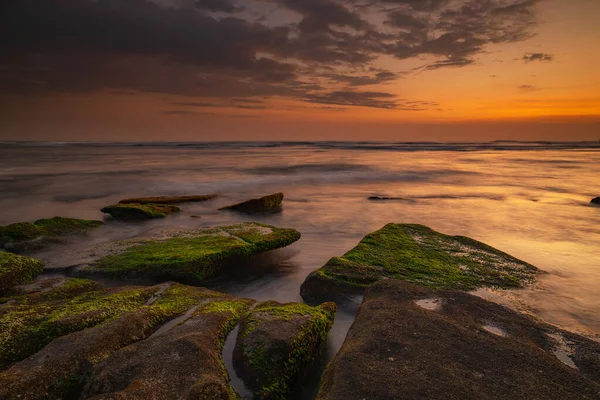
(382, 146)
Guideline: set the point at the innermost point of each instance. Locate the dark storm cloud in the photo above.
(219, 49)
(541, 57)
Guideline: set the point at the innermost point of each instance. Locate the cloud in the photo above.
(369, 99)
(529, 88)
(541, 57)
(213, 50)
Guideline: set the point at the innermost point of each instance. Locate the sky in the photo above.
(396, 70)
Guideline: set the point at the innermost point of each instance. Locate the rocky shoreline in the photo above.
(418, 333)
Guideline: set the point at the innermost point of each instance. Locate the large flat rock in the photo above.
(417, 254)
(409, 342)
(189, 255)
(168, 199)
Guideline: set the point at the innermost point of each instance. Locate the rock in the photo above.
(137, 212)
(195, 255)
(63, 367)
(380, 198)
(417, 254)
(596, 201)
(184, 362)
(22, 236)
(277, 344)
(452, 345)
(31, 324)
(15, 270)
(168, 199)
(264, 204)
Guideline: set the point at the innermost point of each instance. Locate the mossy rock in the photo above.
(22, 235)
(168, 199)
(278, 344)
(28, 325)
(411, 342)
(137, 212)
(255, 206)
(183, 362)
(596, 201)
(61, 368)
(417, 254)
(15, 270)
(195, 255)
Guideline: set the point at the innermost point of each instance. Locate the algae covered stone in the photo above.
(136, 211)
(255, 206)
(277, 345)
(190, 255)
(411, 342)
(183, 362)
(417, 254)
(168, 199)
(62, 368)
(21, 234)
(32, 321)
(15, 270)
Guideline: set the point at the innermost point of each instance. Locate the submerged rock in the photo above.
(22, 236)
(16, 270)
(418, 254)
(264, 204)
(195, 255)
(465, 348)
(168, 199)
(277, 345)
(137, 212)
(596, 201)
(63, 367)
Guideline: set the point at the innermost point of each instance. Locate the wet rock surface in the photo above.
(417, 254)
(278, 344)
(16, 270)
(168, 199)
(78, 363)
(464, 348)
(264, 204)
(25, 236)
(195, 255)
(139, 212)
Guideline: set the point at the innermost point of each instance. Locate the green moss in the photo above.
(136, 211)
(60, 226)
(195, 257)
(25, 329)
(57, 226)
(418, 254)
(15, 270)
(275, 370)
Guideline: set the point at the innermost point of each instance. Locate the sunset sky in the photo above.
(169, 70)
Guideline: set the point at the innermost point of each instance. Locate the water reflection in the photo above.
(531, 204)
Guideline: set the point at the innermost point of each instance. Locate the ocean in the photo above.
(529, 199)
